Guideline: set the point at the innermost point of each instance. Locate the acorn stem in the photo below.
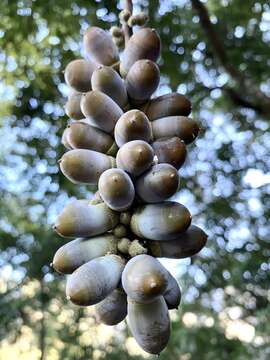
(126, 29)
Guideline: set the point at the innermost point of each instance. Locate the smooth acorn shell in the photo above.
(185, 245)
(157, 184)
(142, 80)
(183, 127)
(73, 107)
(83, 166)
(149, 324)
(172, 294)
(116, 189)
(65, 140)
(81, 219)
(135, 157)
(113, 309)
(95, 280)
(143, 44)
(79, 251)
(132, 125)
(171, 151)
(84, 136)
(162, 221)
(99, 46)
(108, 81)
(172, 104)
(78, 74)
(100, 110)
(144, 279)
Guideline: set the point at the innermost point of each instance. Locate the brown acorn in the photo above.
(135, 157)
(142, 80)
(116, 189)
(100, 110)
(77, 252)
(99, 46)
(186, 244)
(108, 81)
(113, 309)
(78, 74)
(81, 219)
(65, 140)
(95, 280)
(172, 294)
(183, 127)
(162, 221)
(73, 107)
(171, 151)
(157, 184)
(83, 166)
(144, 44)
(84, 136)
(132, 125)
(172, 104)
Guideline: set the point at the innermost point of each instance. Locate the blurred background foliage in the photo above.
(218, 54)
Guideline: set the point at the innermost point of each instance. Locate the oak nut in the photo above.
(78, 74)
(132, 125)
(73, 107)
(171, 151)
(113, 309)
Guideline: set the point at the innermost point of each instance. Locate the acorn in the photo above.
(157, 184)
(144, 279)
(108, 81)
(78, 74)
(171, 151)
(100, 110)
(172, 294)
(79, 251)
(84, 136)
(99, 46)
(162, 221)
(113, 309)
(81, 219)
(142, 80)
(73, 107)
(116, 189)
(183, 127)
(135, 157)
(172, 104)
(149, 324)
(65, 140)
(143, 44)
(185, 245)
(132, 125)
(83, 166)
(95, 280)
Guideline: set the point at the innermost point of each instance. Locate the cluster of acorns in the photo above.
(131, 147)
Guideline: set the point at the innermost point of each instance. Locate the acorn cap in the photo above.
(171, 151)
(99, 46)
(172, 104)
(100, 110)
(83, 166)
(185, 245)
(78, 74)
(132, 125)
(162, 221)
(143, 44)
(135, 157)
(183, 127)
